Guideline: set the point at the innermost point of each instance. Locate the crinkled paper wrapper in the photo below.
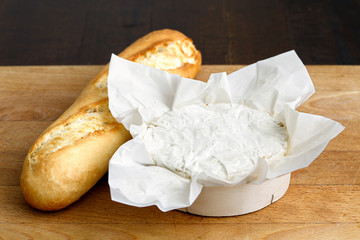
(139, 94)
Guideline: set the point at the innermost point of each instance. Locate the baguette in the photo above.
(73, 153)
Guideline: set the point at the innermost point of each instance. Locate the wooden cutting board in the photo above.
(323, 200)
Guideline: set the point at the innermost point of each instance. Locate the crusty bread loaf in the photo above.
(73, 153)
(170, 51)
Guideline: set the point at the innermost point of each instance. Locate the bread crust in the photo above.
(73, 153)
(148, 41)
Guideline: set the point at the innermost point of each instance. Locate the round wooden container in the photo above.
(239, 199)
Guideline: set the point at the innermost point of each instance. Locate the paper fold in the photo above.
(139, 94)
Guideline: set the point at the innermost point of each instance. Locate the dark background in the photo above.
(35, 32)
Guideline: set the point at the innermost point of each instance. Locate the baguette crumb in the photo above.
(168, 55)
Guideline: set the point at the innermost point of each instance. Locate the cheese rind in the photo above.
(223, 141)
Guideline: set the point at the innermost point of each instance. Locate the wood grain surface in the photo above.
(323, 200)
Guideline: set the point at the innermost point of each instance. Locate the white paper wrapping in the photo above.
(139, 94)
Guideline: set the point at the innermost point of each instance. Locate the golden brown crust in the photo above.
(140, 46)
(148, 41)
(188, 70)
(54, 178)
(72, 154)
(62, 177)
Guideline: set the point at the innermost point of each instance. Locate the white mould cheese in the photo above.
(221, 140)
